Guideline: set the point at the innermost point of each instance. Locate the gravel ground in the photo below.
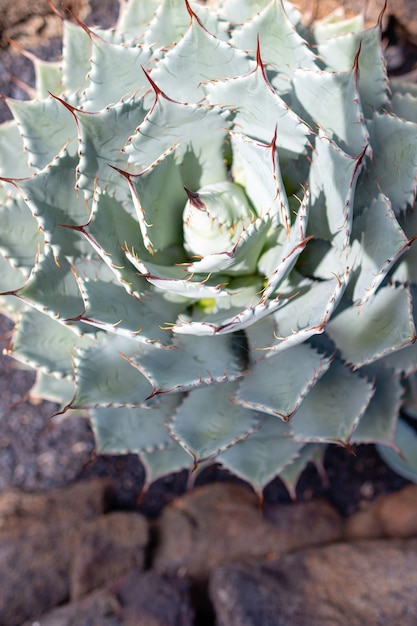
(38, 453)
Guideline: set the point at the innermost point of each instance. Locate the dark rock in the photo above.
(105, 549)
(222, 522)
(342, 584)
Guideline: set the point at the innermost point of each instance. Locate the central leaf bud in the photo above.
(214, 218)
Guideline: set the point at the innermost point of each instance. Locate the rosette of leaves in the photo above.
(207, 237)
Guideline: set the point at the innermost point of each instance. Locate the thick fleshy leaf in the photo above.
(13, 158)
(263, 454)
(278, 385)
(310, 453)
(157, 187)
(51, 197)
(109, 306)
(101, 139)
(256, 167)
(42, 342)
(18, 226)
(199, 154)
(333, 408)
(402, 457)
(225, 321)
(104, 376)
(382, 325)
(281, 46)
(116, 74)
(404, 105)
(378, 423)
(180, 73)
(178, 280)
(163, 462)
(330, 101)
(406, 269)
(339, 54)
(134, 17)
(330, 215)
(189, 363)
(12, 278)
(109, 230)
(220, 424)
(394, 171)
(331, 26)
(303, 316)
(59, 390)
(120, 430)
(242, 259)
(259, 111)
(76, 53)
(53, 289)
(379, 243)
(46, 127)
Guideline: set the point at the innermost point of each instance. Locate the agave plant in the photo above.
(208, 236)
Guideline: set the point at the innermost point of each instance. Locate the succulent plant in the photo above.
(207, 237)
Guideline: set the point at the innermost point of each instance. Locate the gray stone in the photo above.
(81, 501)
(152, 599)
(105, 549)
(100, 608)
(137, 599)
(222, 522)
(34, 570)
(370, 582)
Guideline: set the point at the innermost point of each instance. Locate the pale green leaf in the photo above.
(105, 377)
(163, 462)
(333, 407)
(259, 112)
(282, 47)
(59, 390)
(109, 306)
(53, 288)
(20, 239)
(46, 127)
(122, 430)
(13, 157)
(278, 385)
(198, 130)
(330, 101)
(263, 454)
(220, 424)
(116, 74)
(102, 136)
(52, 199)
(402, 458)
(76, 53)
(405, 270)
(380, 418)
(393, 171)
(339, 54)
(382, 325)
(159, 199)
(198, 57)
(380, 242)
(46, 344)
(190, 362)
